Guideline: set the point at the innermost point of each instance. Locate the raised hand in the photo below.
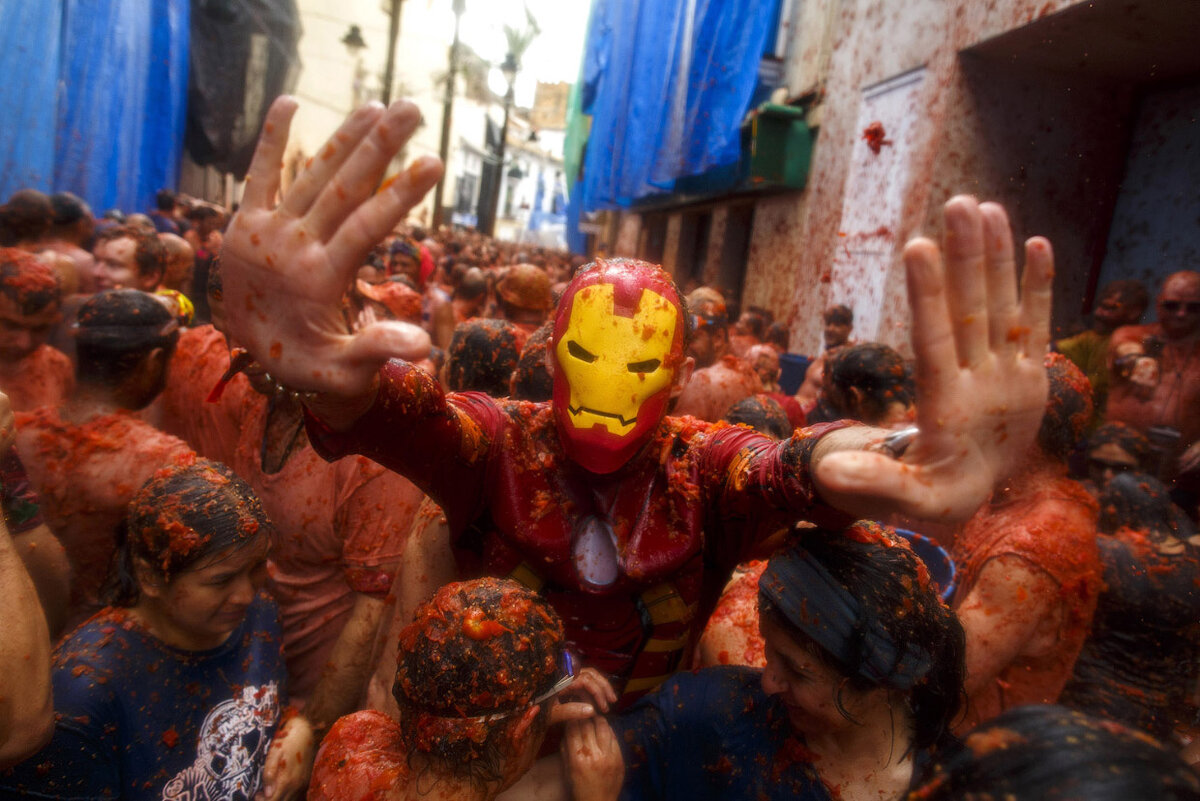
(981, 383)
(286, 266)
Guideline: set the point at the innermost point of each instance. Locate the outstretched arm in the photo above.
(981, 383)
(286, 264)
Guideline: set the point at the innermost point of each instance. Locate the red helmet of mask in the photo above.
(617, 346)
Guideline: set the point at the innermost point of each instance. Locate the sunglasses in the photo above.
(1173, 306)
(566, 664)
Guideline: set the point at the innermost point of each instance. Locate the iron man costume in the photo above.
(627, 521)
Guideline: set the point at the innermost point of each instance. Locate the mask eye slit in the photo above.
(647, 366)
(579, 352)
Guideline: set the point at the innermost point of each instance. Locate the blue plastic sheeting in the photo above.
(29, 51)
(120, 122)
(104, 86)
(667, 83)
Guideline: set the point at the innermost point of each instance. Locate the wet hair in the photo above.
(756, 321)
(531, 380)
(1049, 753)
(840, 313)
(149, 255)
(877, 371)
(1068, 407)
(472, 285)
(1141, 502)
(778, 334)
(1131, 292)
(68, 208)
(28, 282)
(26, 217)
(862, 603)
(164, 200)
(478, 648)
(182, 515)
(762, 413)
(116, 328)
(1125, 437)
(482, 356)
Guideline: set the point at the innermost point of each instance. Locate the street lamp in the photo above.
(460, 6)
(509, 69)
(353, 40)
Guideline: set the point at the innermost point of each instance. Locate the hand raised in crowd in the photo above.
(981, 383)
(286, 265)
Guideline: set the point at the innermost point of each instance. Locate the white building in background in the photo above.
(335, 79)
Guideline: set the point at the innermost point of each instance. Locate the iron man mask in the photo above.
(617, 344)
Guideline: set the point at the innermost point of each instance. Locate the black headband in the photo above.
(816, 603)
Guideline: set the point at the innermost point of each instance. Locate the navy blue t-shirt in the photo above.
(136, 718)
(714, 734)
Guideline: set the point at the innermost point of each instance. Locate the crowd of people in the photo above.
(305, 499)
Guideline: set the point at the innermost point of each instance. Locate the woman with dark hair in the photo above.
(1047, 753)
(177, 689)
(863, 679)
(477, 677)
(868, 383)
(1139, 667)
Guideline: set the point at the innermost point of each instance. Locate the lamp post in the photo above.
(389, 71)
(509, 68)
(447, 110)
(354, 43)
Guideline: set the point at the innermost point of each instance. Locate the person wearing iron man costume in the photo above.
(612, 509)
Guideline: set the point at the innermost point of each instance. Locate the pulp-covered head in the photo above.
(617, 349)
(476, 658)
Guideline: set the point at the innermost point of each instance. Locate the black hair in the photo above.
(531, 380)
(840, 313)
(877, 371)
(68, 208)
(1068, 407)
(179, 517)
(482, 356)
(779, 335)
(1049, 753)
(1140, 501)
(164, 200)
(762, 413)
(116, 329)
(896, 601)
(476, 649)
(755, 320)
(26, 217)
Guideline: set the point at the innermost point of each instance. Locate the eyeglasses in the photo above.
(566, 664)
(1174, 306)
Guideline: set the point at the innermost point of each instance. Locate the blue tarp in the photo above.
(667, 83)
(100, 88)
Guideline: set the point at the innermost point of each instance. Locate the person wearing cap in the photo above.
(721, 379)
(32, 372)
(863, 678)
(86, 457)
(479, 677)
(525, 298)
